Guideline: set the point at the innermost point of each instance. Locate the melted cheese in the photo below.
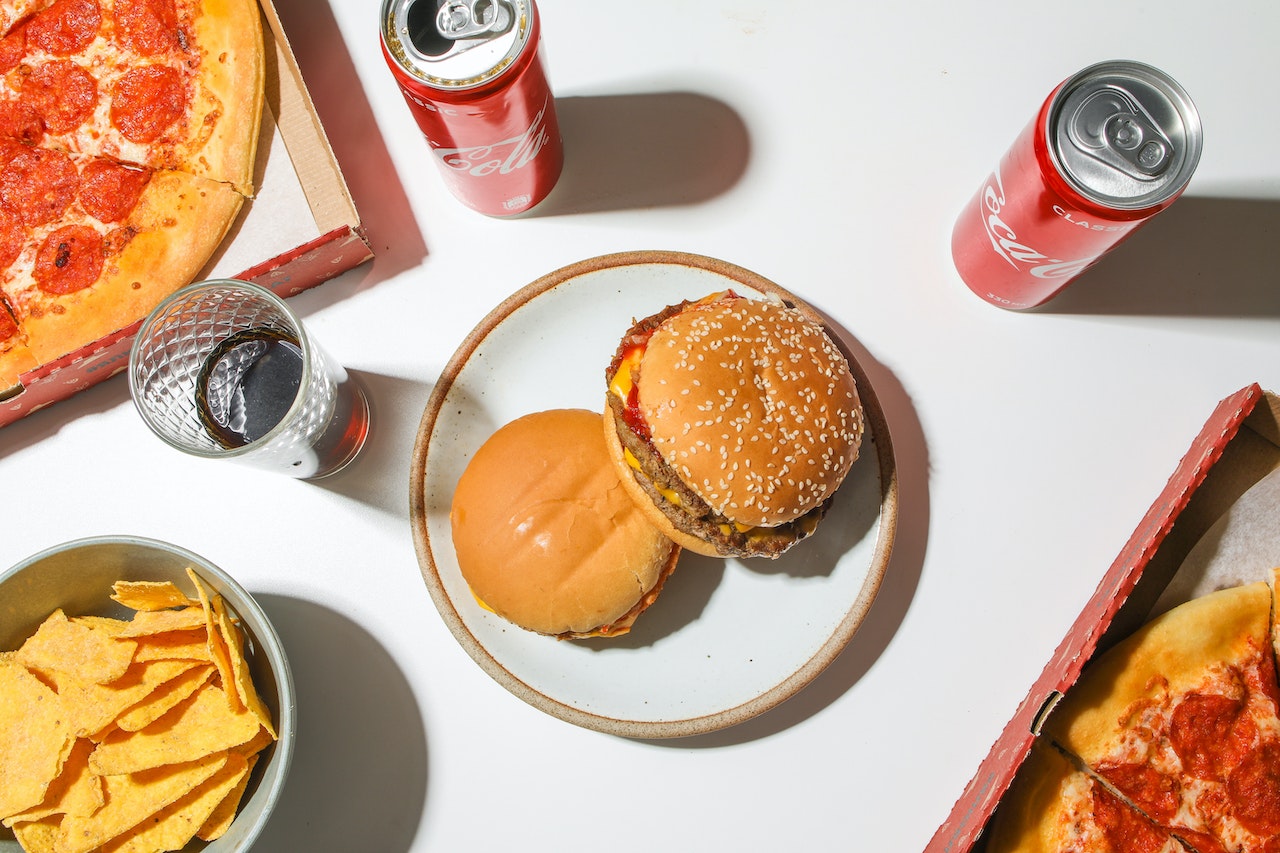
(634, 464)
(622, 382)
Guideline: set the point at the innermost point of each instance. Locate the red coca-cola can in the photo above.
(1110, 148)
(472, 74)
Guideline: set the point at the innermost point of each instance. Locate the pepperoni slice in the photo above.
(146, 101)
(8, 328)
(22, 122)
(148, 27)
(110, 191)
(1254, 789)
(12, 238)
(1156, 794)
(39, 185)
(1210, 734)
(62, 93)
(12, 48)
(1125, 830)
(66, 27)
(70, 259)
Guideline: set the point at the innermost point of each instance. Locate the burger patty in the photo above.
(692, 515)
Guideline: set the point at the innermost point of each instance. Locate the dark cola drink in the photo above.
(250, 383)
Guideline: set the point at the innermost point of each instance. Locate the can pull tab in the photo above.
(1111, 127)
(465, 19)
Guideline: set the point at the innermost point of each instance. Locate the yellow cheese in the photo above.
(634, 464)
(622, 382)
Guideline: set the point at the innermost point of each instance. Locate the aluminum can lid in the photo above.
(455, 44)
(1124, 134)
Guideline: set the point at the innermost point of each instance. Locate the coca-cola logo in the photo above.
(501, 157)
(1007, 245)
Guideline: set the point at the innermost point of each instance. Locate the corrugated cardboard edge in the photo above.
(341, 245)
(978, 801)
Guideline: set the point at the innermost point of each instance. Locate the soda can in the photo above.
(472, 74)
(1110, 148)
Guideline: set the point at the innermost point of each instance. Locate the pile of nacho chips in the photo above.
(135, 735)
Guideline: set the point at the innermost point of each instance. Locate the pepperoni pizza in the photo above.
(128, 130)
(1178, 726)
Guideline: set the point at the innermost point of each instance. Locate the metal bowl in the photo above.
(77, 577)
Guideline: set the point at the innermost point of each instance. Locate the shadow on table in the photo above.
(358, 780)
(901, 578)
(1203, 257)
(626, 152)
(379, 476)
(352, 131)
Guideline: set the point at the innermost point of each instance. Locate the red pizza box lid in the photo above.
(1238, 446)
(334, 240)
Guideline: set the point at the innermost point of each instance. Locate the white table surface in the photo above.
(827, 146)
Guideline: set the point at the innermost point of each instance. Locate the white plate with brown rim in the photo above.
(728, 639)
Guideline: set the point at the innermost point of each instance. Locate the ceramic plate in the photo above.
(728, 639)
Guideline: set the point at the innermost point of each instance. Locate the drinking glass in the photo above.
(224, 369)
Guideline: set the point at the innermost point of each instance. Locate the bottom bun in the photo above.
(656, 516)
(546, 539)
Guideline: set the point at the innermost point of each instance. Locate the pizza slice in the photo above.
(167, 84)
(104, 243)
(128, 133)
(1054, 806)
(1183, 719)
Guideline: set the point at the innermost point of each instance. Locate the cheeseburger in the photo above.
(546, 537)
(732, 422)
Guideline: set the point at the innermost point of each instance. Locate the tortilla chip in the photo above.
(131, 799)
(202, 725)
(35, 739)
(218, 652)
(76, 791)
(39, 836)
(222, 816)
(172, 827)
(96, 706)
(129, 736)
(102, 623)
(89, 653)
(148, 622)
(242, 679)
(150, 595)
(174, 645)
(255, 744)
(163, 699)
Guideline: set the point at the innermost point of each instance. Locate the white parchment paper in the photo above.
(1241, 547)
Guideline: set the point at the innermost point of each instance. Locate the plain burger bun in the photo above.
(546, 537)
(737, 419)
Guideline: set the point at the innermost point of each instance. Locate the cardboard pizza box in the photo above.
(1237, 449)
(300, 229)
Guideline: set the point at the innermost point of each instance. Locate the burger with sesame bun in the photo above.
(732, 422)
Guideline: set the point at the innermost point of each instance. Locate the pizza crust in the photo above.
(15, 360)
(1030, 815)
(230, 91)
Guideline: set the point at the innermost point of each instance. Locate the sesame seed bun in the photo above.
(546, 539)
(750, 406)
